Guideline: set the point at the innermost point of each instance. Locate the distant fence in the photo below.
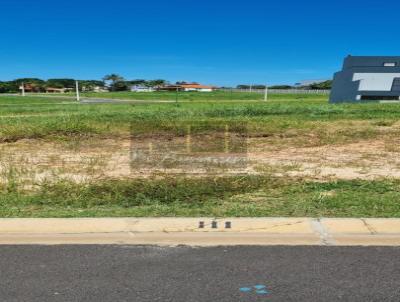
(281, 91)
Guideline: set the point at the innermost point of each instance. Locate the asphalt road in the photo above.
(135, 274)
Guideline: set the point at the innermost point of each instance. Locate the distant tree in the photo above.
(155, 83)
(29, 80)
(7, 87)
(256, 86)
(120, 86)
(280, 87)
(60, 83)
(117, 84)
(89, 85)
(37, 85)
(114, 78)
(185, 83)
(137, 82)
(323, 85)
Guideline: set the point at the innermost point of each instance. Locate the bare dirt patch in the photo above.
(31, 161)
(369, 159)
(79, 161)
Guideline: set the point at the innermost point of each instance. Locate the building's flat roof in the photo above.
(370, 61)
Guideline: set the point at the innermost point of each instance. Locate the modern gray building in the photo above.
(367, 79)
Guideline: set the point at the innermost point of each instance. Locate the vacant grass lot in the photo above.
(284, 115)
(41, 176)
(219, 96)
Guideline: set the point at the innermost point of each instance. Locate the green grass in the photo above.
(285, 121)
(283, 116)
(303, 119)
(249, 196)
(200, 96)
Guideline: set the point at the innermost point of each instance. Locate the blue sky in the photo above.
(217, 42)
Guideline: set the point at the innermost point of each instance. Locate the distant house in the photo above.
(100, 89)
(57, 90)
(187, 87)
(29, 88)
(141, 88)
(90, 88)
(197, 87)
(169, 88)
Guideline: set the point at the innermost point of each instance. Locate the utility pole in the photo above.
(23, 88)
(266, 93)
(77, 91)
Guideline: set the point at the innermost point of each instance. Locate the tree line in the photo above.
(39, 85)
(118, 83)
(112, 82)
(115, 82)
(315, 86)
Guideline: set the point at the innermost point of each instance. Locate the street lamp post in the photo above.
(77, 91)
(266, 93)
(23, 88)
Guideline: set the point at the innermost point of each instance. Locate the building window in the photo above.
(390, 64)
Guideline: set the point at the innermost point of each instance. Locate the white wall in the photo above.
(375, 81)
(142, 89)
(199, 89)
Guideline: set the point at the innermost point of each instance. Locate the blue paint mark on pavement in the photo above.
(257, 289)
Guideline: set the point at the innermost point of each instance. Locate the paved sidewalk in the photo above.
(202, 231)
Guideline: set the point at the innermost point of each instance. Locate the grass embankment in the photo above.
(216, 197)
(286, 121)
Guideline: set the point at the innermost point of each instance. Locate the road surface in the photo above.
(223, 274)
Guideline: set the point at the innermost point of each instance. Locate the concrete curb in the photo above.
(203, 231)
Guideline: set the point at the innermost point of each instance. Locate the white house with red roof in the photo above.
(197, 87)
